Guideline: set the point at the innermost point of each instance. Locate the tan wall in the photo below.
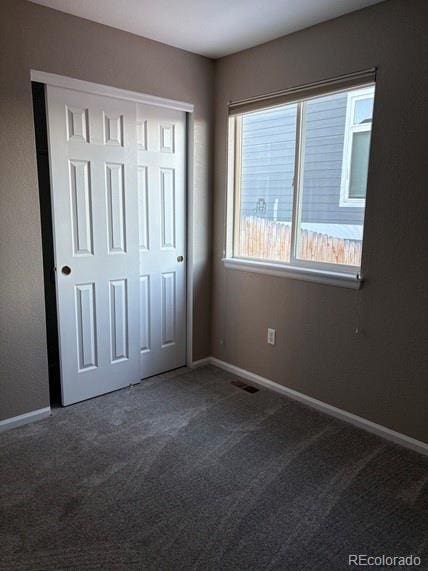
(381, 374)
(34, 37)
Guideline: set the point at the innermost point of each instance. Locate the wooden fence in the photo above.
(267, 239)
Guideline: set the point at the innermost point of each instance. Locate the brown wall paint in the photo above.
(34, 37)
(381, 374)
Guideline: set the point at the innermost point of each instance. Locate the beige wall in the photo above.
(381, 374)
(35, 37)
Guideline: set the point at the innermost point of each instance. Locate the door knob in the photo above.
(180, 258)
(66, 270)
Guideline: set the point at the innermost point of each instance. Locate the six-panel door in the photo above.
(118, 198)
(162, 240)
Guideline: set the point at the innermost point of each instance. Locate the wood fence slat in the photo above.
(268, 239)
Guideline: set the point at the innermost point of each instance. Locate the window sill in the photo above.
(339, 279)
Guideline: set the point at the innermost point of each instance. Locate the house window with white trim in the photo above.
(297, 181)
(356, 147)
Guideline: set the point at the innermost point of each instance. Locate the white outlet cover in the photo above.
(271, 335)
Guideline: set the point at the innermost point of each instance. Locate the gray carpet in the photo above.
(188, 471)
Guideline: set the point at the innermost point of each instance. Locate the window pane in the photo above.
(359, 164)
(268, 141)
(327, 232)
(363, 111)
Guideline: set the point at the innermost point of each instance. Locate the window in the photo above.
(356, 147)
(298, 181)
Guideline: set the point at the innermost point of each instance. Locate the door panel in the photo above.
(143, 208)
(145, 325)
(86, 332)
(93, 155)
(168, 309)
(116, 222)
(162, 205)
(81, 212)
(119, 320)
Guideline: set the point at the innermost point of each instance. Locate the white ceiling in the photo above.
(213, 28)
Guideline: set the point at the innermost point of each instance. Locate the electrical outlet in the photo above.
(271, 335)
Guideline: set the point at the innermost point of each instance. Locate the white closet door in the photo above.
(94, 178)
(161, 145)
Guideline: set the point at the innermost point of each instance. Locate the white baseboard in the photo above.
(360, 422)
(200, 363)
(26, 418)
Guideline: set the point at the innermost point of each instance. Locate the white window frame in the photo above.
(321, 272)
(351, 128)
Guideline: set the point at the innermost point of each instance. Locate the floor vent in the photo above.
(244, 387)
(250, 389)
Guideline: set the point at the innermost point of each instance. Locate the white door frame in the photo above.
(99, 89)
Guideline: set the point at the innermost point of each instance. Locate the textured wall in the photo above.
(34, 37)
(381, 374)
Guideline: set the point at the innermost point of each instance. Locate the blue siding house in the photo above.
(268, 157)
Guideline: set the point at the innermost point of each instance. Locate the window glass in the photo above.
(359, 164)
(268, 146)
(327, 232)
(363, 111)
(322, 146)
